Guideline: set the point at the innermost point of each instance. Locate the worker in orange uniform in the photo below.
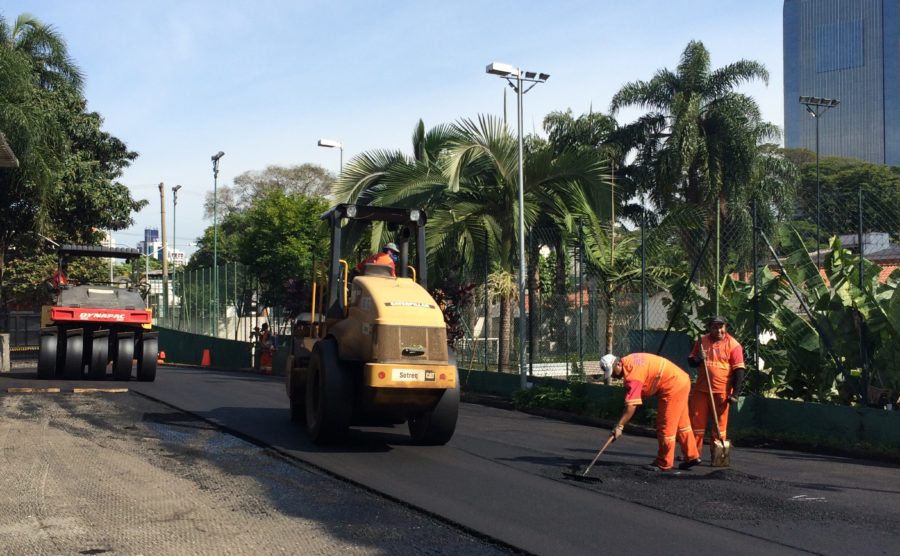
(389, 256)
(645, 375)
(723, 357)
(60, 279)
(265, 345)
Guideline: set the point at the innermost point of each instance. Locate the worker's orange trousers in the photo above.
(673, 424)
(700, 415)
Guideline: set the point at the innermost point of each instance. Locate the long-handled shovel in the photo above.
(583, 477)
(721, 449)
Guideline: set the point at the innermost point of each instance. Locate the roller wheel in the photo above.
(47, 354)
(436, 427)
(297, 395)
(328, 395)
(146, 363)
(72, 357)
(99, 355)
(124, 355)
(298, 408)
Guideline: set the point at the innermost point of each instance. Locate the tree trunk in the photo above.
(559, 325)
(505, 333)
(559, 282)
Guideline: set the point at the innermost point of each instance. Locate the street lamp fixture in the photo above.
(332, 144)
(517, 79)
(215, 160)
(816, 106)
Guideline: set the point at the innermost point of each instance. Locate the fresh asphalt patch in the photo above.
(720, 495)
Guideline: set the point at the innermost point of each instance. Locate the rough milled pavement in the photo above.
(107, 473)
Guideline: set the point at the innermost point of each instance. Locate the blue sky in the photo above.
(262, 81)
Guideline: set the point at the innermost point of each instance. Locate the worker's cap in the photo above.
(391, 247)
(718, 319)
(607, 362)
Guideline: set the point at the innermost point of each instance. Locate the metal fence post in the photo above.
(487, 315)
(863, 355)
(643, 275)
(531, 297)
(580, 294)
(756, 299)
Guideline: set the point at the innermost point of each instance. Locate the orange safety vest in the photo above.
(654, 373)
(722, 357)
(378, 258)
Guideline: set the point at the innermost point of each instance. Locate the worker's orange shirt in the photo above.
(646, 374)
(722, 358)
(378, 258)
(59, 278)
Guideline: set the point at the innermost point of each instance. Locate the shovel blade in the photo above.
(721, 453)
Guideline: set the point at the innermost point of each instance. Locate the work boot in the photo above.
(684, 466)
(653, 467)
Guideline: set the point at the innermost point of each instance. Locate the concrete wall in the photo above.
(187, 348)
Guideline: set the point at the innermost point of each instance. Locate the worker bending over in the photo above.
(645, 375)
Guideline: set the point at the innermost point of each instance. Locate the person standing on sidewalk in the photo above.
(645, 375)
(722, 356)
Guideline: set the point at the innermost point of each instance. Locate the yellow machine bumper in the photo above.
(400, 375)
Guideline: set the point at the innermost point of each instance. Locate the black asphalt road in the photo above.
(501, 476)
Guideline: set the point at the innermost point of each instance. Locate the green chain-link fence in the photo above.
(808, 340)
(591, 291)
(194, 304)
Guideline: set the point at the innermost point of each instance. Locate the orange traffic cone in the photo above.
(161, 358)
(204, 362)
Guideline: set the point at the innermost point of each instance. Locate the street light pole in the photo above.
(215, 320)
(816, 106)
(164, 306)
(331, 144)
(174, 238)
(515, 77)
(174, 208)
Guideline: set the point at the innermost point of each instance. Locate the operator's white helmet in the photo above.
(607, 362)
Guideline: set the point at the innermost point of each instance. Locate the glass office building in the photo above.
(847, 50)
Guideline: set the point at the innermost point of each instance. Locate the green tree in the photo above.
(230, 229)
(283, 238)
(840, 182)
(280, 235)
(307, 179)
(701, 138)
(64, 187)
(87, 196)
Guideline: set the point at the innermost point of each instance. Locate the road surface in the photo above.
(501, 476)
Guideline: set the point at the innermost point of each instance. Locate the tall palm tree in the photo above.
(705, 136)
(45, 48)
(469, 184)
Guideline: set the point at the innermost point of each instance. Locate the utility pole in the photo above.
(164, 307)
